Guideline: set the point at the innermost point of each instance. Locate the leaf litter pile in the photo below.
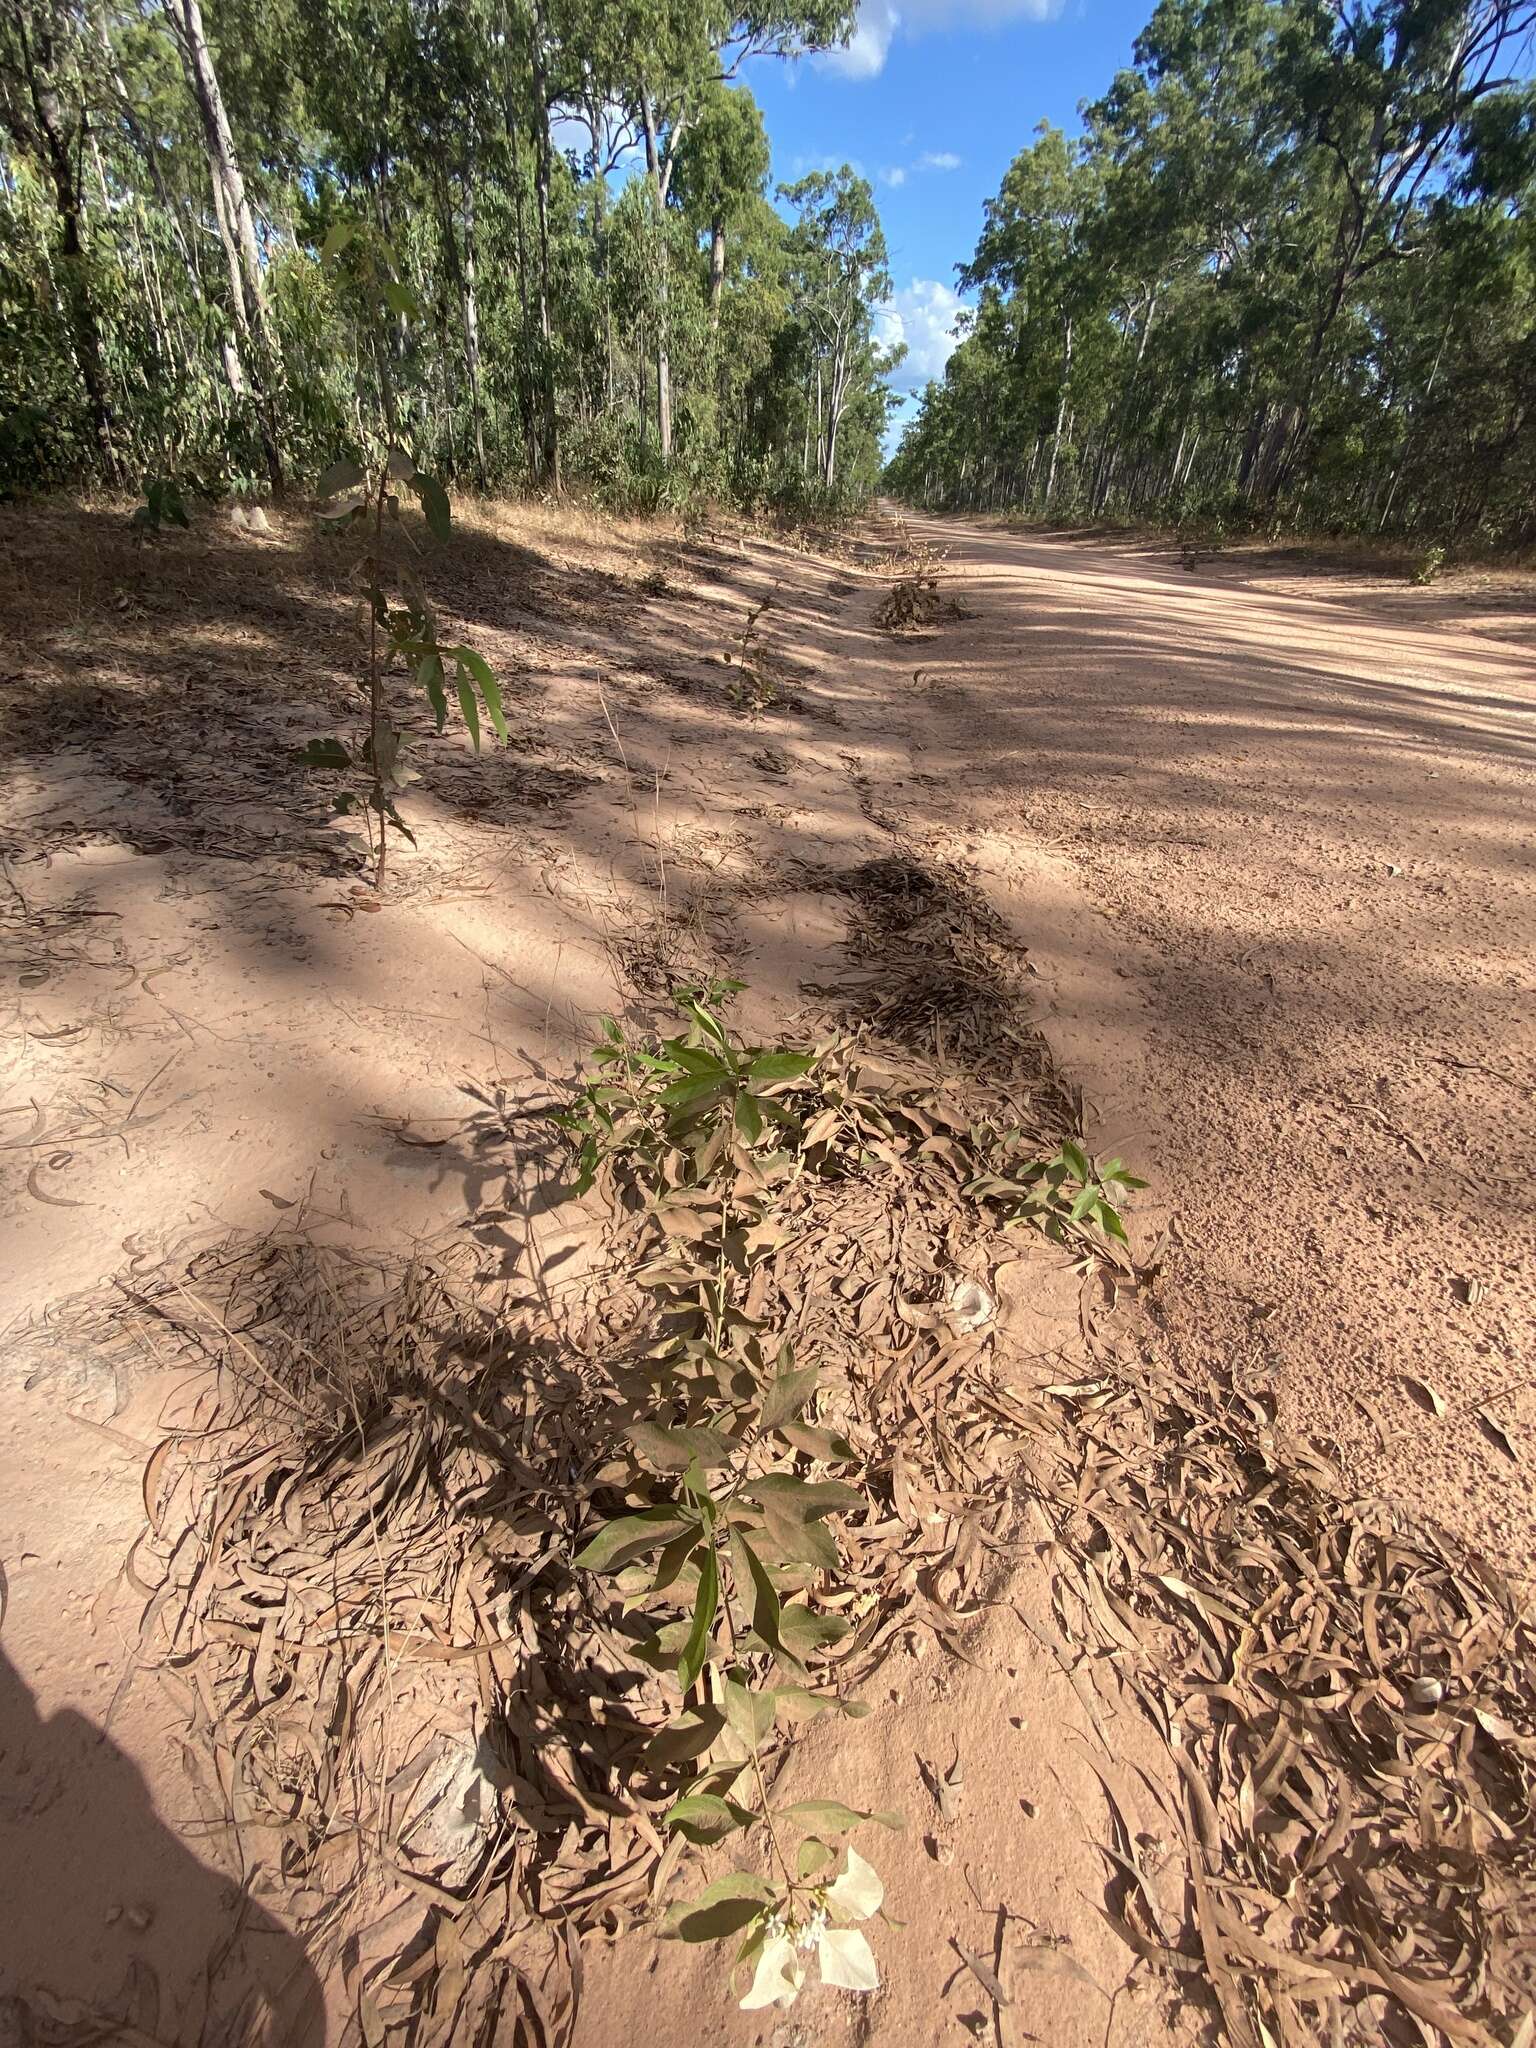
(427, 1740)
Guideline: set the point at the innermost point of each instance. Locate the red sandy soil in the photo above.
(1266, 833)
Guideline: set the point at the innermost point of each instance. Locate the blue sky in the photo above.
(931, 102)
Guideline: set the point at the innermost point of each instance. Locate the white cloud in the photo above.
(879, 22)
(865, 52)
(896, 175)
(923, 315)
(938, 160)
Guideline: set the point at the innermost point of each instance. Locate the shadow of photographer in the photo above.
(113, 1929)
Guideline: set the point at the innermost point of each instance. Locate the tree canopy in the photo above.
(573, 198)
(1287, 274)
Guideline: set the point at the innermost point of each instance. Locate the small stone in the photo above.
(141, 1918)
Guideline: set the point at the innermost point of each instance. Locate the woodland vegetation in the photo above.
(587, 279)
(1286, 277)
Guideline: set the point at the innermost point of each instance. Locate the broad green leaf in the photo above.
(1076, 1161)
(749, 1712)
(787, 1395)
(696, 1649)
(324, 754)
(811, 1856)
(662, 1650)
(705, 1817)
(765, 1600)
(803, 1499)
(674, 1559)
(430, 677)
(336, 241)
(779, 1066)
(749, 1118)
(1109, 1218)
(711, 1922)
(619, 1542)
(832, 1813)
(479, 672)
(795, 1540)
(401, 299)
(470, 709)
(683, 1739)
(667, 1449)
(803, 1632)
(825, 1444)
(723, 1908)
(434, 504)
(695, 1090)
(341, 476)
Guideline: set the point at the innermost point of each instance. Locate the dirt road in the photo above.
(1264, 832)
(1303, 807)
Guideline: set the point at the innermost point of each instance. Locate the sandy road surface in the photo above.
(1305, 808)
(1265, 836)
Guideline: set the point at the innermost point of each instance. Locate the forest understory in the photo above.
(1191, 1607)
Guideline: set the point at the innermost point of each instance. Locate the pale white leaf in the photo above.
(858, 1892)
(778, 1976)
(846, 1960)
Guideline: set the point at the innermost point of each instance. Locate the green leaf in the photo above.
(323, 754)
(749, 1712)
(1076, 1161)
(683, 1739)
(787, 1395)
(479, 671)
(780, 1066)
(401, 299)
(797, 1703)
(800, 1542)
(825, 1444)
(803, 1632)
(666, 1449)
(749, 1118)
(802, 1499)
(831, 1813)
(434, 504)
(705, 1817)
(674, 1559)
(337, 239)
(725, 1907)
(470, 709)
(619, 1542)
(430, 677)
(341, 476)
(765, 1600)
(696, 1649)
(695, 1088)
(811, 1856)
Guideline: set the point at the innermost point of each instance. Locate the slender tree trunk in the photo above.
(56, 136)
(1061, 415)
(716, 271)
(524, 387)
(237, 223)
(659, 183)
(543, 152)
